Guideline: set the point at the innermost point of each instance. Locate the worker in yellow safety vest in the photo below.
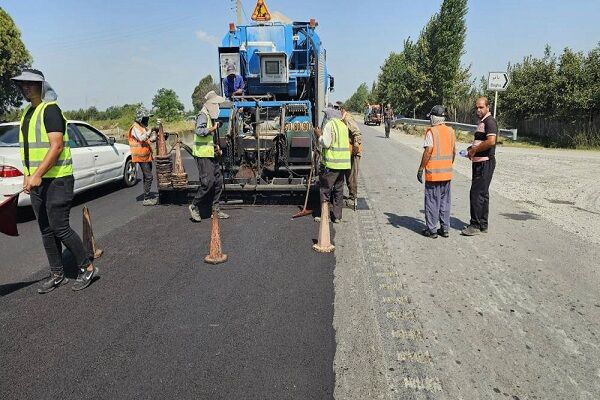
(355, 147)
(335, 160)
(204, 152)
(437, 161)
(139, 139)
(48, 178)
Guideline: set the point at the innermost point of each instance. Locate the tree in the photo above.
(13, 58)
(447, 41)
(205, 85)
(358, 101)
(428, 71)
(167, 105)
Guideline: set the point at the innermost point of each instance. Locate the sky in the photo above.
(102, 53)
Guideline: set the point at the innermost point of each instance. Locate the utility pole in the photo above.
(238, 8)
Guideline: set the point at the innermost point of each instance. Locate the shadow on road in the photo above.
(522, 216)
(8, 288)
(404, 221)
(418, 224)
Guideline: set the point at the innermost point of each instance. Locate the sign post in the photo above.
(498, 82)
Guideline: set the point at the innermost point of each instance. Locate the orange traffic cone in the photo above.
(324, 243)
(215, 253)
(88, 235)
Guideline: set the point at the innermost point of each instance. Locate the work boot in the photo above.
(150, 202)
(443, 233)
(471, 230)
(427, 233)
(54, 281)
(84, 278)
(317, 219)
(195, 213)
(337, 220)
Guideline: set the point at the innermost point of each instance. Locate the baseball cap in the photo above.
(438, 111)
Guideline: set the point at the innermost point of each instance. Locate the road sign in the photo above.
(498, 81)
(261, 13)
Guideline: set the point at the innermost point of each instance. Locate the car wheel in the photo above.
(130, 173)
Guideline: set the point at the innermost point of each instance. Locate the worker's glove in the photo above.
(158, 121)
(356, 150)
(420, 176)
(152, 137)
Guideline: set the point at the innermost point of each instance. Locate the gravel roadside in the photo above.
(555, 184)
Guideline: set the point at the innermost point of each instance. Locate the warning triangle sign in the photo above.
(261, 13)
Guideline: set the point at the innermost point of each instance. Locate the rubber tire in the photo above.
(129, 173)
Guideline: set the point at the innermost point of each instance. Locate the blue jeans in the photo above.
(51, 202)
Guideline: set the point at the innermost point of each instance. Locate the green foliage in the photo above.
(359, 99)
(205, 85)
(167, 105)
(428, 71)
(555, 98)
(121, 116)
(13, 58)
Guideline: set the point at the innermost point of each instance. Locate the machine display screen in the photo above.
(272, 67)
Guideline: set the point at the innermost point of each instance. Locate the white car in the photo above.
(97, 159)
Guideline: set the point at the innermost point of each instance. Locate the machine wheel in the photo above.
(129, 173)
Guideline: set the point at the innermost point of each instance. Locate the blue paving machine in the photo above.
(266, 133)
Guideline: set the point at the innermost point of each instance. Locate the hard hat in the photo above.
(438, 111)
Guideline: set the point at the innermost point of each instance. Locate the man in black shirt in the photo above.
(483, 155)
(48, 178)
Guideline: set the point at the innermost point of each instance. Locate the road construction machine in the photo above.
(266, 132)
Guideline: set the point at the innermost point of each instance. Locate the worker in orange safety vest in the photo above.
(438, 157)
(140, 138)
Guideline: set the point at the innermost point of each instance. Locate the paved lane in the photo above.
(160, 323)
(111, 206)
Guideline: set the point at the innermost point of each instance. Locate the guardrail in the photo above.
(510, 133)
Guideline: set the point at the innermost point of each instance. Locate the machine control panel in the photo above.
(273, 68)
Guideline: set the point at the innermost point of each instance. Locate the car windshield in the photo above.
(9, 136)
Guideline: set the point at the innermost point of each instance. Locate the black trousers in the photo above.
(51, 204)
(146, 168)
(211, 183)
(331, 189)
(480, 192)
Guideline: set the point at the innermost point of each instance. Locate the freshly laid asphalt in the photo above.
(160, 323)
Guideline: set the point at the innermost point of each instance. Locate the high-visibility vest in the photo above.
(337, 156)
(203, 145)
(140, 150)
(39, 144)
(439, 166)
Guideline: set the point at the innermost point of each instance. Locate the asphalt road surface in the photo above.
(512, 314)
(159, 323)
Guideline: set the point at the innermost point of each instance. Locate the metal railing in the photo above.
(510, 133)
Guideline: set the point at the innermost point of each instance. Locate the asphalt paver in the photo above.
(160, 323)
